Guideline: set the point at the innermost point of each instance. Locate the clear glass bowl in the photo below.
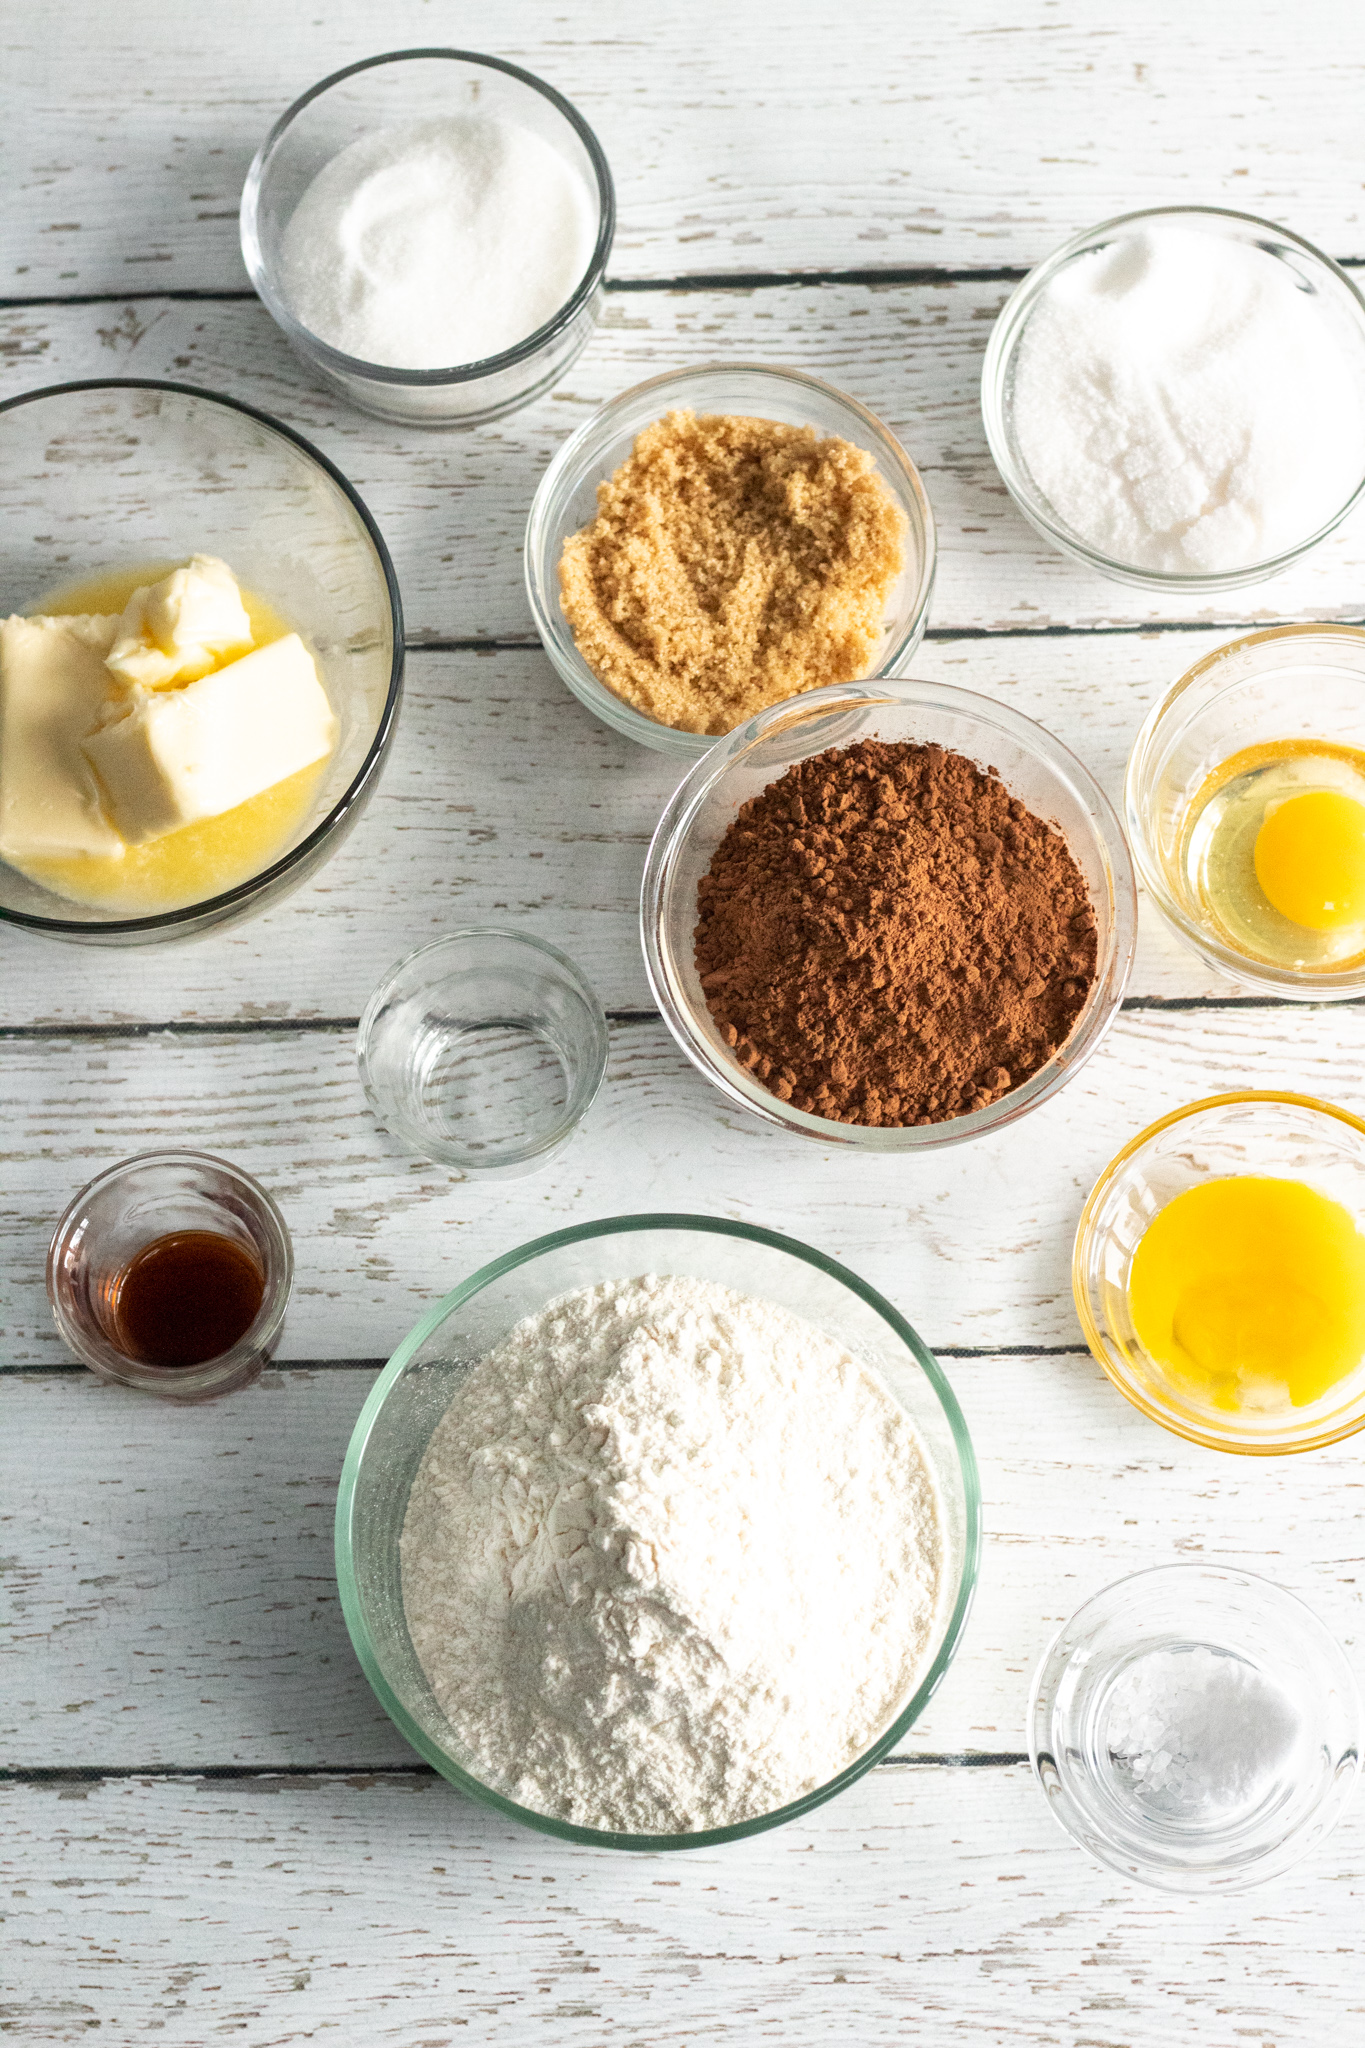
(484, 1049)
(1166, 1837)
(99, 477)
(1286, 1137)
(127, 1207)
(1033, 766)
(388, 91)
(1312, 272)
(566, 501)
(417, 1385)
(1289, 683)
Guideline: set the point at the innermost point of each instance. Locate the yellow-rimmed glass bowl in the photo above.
(1279, 1137)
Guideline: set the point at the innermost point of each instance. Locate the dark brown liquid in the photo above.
(186, 1298)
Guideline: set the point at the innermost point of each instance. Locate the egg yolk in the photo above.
(1310, 859)
(1251, 1292)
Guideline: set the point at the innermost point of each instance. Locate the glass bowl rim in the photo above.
(1006, 333)
(1287, 982)
(1085, 1230)
(458, 373)
(568, 1123)
(615, 1226)
(257, 1338)
(210, 906)
(901, 691)
(569, 664)
(1086, 1835)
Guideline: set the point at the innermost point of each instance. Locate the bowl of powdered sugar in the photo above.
(658, 1531)
(1177, 398)
(430, 231)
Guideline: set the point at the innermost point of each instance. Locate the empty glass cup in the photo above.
(156, 1196)
(483, 1050)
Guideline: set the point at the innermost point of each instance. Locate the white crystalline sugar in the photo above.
(1199, 1732)
(1184, 406)
(671, 1558)
(438, 243)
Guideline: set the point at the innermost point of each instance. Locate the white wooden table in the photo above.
(212, 1831)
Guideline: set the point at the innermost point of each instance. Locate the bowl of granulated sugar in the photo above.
(891, 921)
(658, 1532)
(1177, 398)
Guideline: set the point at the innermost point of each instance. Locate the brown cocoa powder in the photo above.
(887, 937)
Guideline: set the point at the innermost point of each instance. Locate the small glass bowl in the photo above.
(393, 90)
(416, 1387)
(1033, 766)
(1289, 683)
(126, 1208)
(1161, 1837)
(1284, 1137)
(1312, 272)
(566, 501)
(126, 473)
(484, 1049)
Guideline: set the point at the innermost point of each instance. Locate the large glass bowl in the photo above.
(394, 90)
(566, 500)
(125, 473)
(1287, 683)
(1033, 766)
(416, 1387)
(1324, 282)
(1252, 1131)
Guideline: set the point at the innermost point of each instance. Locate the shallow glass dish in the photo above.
(1285, 1137)
(100, 477)
(391, 91)
(1033, 766)
(566, 501)
(417, 1385)
(1311, 272)
(1163, 1838)
(1289, 683)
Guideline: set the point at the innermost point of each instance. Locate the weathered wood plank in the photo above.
(453, 507)
(172, 1601)
(767, 137)
(505, 802)
(926, 1905)
(973, 1244)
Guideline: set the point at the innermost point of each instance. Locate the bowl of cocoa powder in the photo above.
(890, 921)
(722, 539)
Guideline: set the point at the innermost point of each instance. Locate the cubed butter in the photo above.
(178, 629)
(53, 686)
(178, 755)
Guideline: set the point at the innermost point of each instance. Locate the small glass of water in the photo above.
(483, 1050)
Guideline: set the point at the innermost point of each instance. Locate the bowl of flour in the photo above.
(658, 1531)
(1177, 398)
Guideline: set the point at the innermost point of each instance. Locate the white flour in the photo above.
(671, 1558)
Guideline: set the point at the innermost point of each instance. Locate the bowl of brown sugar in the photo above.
(719, 540)
(889, 921)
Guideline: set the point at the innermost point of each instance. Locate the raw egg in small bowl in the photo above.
(1245, 809)
(1219, 1272)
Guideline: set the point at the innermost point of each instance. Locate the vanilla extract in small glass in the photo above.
(185, 1298)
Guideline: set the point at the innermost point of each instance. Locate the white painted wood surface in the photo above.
(169, 1595)
(453, 507)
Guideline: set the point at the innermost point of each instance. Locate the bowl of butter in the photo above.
(201, 656)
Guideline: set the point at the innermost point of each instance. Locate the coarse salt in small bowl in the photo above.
(1033, 766)
(566, 501)
(1323, 285)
